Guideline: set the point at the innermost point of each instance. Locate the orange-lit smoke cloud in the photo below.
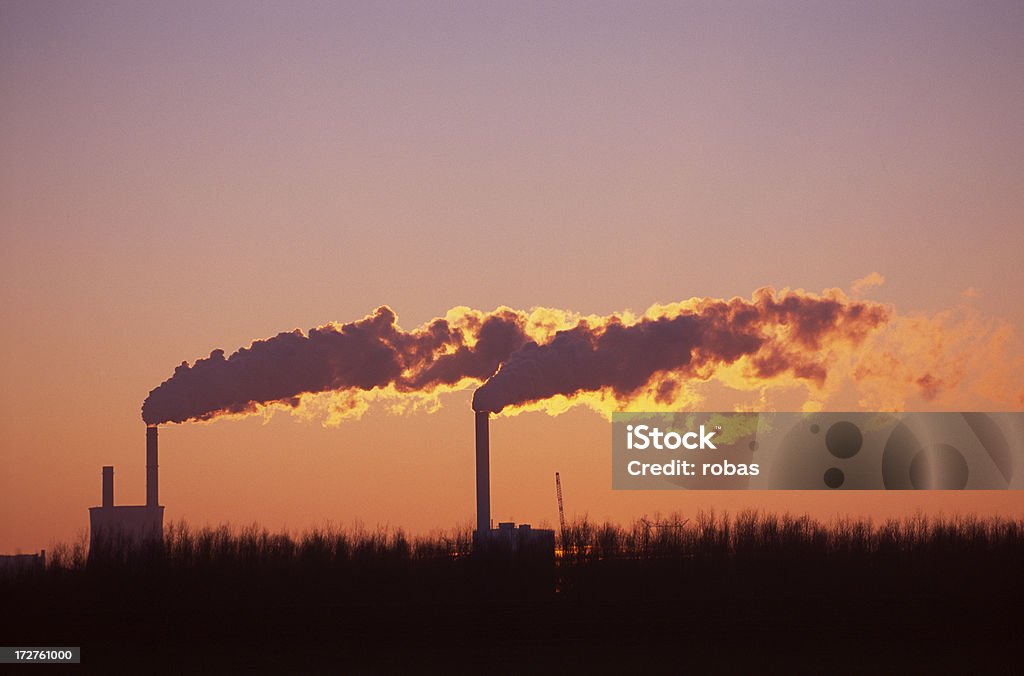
(828, 345)
(789, 334)
(372, 354)
(943, 360)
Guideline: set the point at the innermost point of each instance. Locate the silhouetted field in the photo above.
(740, 591)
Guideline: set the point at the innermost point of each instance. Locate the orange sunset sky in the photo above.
(192, 176)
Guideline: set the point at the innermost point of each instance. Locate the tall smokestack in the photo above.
(108, 486)
(152, 478)
(483, 474)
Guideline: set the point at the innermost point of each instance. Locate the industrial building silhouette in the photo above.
(134, 525)
(524, 541)
(129, 525)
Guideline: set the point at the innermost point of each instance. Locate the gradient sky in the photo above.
(179, 177)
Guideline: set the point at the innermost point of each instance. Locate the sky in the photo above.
(181, 177)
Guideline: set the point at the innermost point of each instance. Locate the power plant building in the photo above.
(535, 543)
(118, 526)
(113, 525)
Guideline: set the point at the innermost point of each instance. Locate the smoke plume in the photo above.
(777, 334)
(858, 353)
(372, 353)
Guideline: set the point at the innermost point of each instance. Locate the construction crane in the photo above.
(561, 510)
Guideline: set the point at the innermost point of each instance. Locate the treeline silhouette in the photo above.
(381, 598)
(748, 533)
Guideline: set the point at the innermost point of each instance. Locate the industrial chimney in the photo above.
(483, 474)
(152, 478)
(112, 528)
(108, 486)
(537, 544)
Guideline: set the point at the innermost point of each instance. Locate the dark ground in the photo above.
(750, 593)
(631, 616)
